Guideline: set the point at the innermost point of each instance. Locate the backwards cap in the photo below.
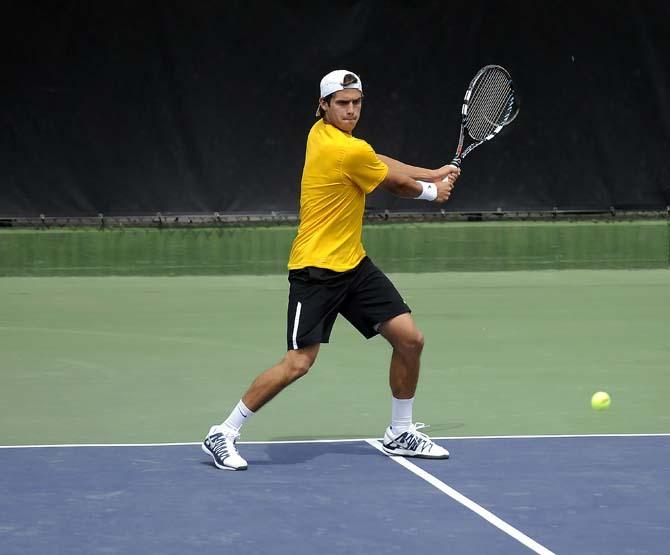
(333, 82)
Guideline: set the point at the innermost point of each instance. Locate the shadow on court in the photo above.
(279, 453)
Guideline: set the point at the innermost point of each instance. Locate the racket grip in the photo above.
(455, 162)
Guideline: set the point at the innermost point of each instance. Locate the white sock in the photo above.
(401, 414)
(239, 417)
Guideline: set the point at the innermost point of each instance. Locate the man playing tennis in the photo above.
(329, 273)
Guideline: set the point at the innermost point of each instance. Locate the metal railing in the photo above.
(217, 219)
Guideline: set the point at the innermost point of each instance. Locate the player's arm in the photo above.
(416, 172)
(403, 186)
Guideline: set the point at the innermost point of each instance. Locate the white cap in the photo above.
(333, 82)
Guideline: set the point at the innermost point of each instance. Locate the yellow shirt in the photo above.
(339, 171)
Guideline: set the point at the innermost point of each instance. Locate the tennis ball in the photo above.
(600, 400)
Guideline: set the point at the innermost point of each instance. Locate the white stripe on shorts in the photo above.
(295, 325)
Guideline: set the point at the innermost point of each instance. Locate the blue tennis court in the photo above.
(561, 494)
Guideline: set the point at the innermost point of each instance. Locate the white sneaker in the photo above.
(412, 443)
(220, 445)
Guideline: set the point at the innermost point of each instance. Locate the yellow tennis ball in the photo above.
(600, 401)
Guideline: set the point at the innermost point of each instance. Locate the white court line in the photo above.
(350, 440)
(468, 503)
(72, 445)
(356, 440)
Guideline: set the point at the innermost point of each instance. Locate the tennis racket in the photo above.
(490, 104)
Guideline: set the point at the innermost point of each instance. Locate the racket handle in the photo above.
(455, 162)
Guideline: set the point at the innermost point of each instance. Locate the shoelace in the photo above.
(220, 444)
(423, 438)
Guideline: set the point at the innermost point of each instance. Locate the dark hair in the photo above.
(327, 101)
(349, 79)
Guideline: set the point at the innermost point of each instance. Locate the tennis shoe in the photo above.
(412, 443)
(220, 445)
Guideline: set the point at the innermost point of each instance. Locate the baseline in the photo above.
(346, 440)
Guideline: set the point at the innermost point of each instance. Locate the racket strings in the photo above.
(490, 112)
(490, 104)
(492, 91)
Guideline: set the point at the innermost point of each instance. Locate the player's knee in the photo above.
(418, 341)
(299, 368)
(412, 343)
(298, 365)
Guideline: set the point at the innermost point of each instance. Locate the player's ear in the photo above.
(321, 108)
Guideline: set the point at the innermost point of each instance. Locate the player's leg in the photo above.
(221, 438)
(402, 436)
(294, 365)
(373, 306)
(312, 310)
(407, 342)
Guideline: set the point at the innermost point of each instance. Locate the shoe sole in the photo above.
(216, 464)
(410, 455)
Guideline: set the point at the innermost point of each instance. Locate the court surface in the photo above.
(596, 495)
(130, 361)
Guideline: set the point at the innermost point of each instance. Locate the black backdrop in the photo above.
(202, 106)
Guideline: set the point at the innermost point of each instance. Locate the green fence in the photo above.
(420, 247)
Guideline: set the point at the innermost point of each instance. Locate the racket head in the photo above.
(490, 103)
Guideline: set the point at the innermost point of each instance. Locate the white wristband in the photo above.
(429, 191)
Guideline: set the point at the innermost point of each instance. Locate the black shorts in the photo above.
(363, 295)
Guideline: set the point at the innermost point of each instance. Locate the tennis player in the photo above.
(329, 273)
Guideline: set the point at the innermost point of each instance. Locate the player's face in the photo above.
(344, 109)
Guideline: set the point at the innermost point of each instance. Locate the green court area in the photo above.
(159, 359)
(408, 247)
